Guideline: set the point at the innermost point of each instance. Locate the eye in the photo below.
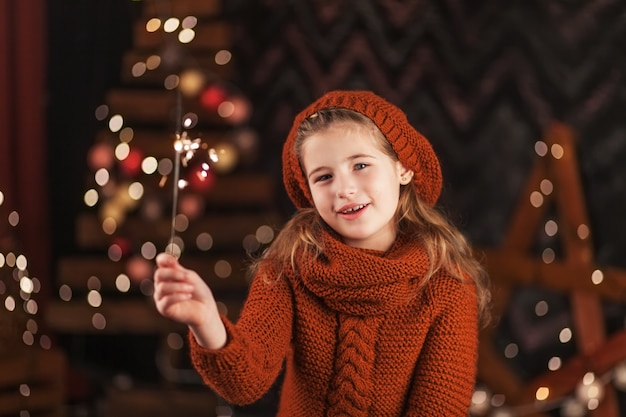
(360, 166)
(322, 178)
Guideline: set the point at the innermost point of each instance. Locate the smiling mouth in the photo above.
(354, 209)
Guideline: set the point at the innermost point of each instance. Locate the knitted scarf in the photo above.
(361, 286)
(365, 282)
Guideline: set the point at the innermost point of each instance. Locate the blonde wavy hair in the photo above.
(445, 244)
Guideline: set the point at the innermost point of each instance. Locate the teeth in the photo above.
(353, 209)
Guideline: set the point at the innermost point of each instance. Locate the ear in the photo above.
(406, 175)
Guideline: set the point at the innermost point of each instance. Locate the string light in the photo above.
(586, 396)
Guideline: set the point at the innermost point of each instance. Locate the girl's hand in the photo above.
(181, 295)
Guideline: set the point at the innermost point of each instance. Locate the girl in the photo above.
(368, 297)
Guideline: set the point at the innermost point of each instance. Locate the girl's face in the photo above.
(355, 186)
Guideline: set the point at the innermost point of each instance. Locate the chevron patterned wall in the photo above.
(481, 79)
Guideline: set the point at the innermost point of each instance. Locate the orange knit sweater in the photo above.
(358, 337)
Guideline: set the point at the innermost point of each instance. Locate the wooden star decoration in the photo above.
(554, 180)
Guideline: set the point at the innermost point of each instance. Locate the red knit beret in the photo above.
(413, 149)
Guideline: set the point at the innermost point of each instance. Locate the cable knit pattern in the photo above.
(350, 394)
(357, 334)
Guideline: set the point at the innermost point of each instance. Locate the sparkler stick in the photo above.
(178, 149)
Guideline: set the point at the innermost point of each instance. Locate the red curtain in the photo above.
(23, 133)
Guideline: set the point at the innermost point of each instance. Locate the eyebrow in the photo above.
(350, 158)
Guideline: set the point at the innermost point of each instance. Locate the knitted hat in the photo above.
(413, 150)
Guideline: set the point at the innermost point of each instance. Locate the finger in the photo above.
(164, 289)
(166, 274)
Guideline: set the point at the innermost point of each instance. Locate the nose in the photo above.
(345, 186)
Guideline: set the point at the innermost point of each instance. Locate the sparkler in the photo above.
(185, 150)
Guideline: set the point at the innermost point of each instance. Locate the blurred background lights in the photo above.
(148, 250)
(541, 148)
(10, 259)
(100, 155)
(122, 283)
(619, 375)
(102, 177)
(597, 277)
(541, 308)
(138, 69)
(502, 412)
(152, 25)
(175, 341)
(251, 243)
(536, 199)
(127, 134)
(135, 190)
(149, 165)
(551, 228)
(204, 241)
(590, 390)
(171, 24)
(153, 62)
(14, 218)
(186, 35)
(554, 364)
(146, 287)
(45, 342)
(65, 292)
(480, 403)
(93, 283)
(165, 166)
(171, 82)
(226, 109)
(223, 57)
(548, 256)
(91, 197)
(190, 120)
(26, 285)
(565, 335)
(225, 157)
(557, 151)
(546, 187)
(265, 234)
(511, 350)
(31, 307)
(189, 22)
(21, 263)
(138, 268)
(191, 82)
(115, 252)
(109, 225)
(583, 231)
(101, 112)
(542, 393)
(94, 298)
(115, 123)
(181, 222)
(25, 390)
(223, 269)
(98, 321)
(9, 303)
(122, 150)
(573, 408)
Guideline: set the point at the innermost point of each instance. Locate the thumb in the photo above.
(165, 260)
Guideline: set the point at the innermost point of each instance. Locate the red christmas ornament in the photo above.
(131, 165)
(213, 96)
